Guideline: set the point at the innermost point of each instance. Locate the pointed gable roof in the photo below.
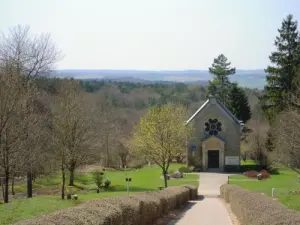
(223, 108)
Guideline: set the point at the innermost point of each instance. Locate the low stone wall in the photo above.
(256, 209)
(138, 209)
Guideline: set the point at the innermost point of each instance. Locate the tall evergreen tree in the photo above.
(238, 103)
(220, 85)
(282, 74)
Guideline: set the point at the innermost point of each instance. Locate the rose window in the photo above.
(213, 127)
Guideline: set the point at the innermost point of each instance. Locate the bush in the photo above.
(141, 208)
(98, 178)
(257, 209)
(193, 191)
(243, 168)
(107, 183)
(253, 174)
(185, 170)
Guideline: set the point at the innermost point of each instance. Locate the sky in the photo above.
(154, 34)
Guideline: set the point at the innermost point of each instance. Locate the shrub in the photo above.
(71, 190)
(243, 168)
(185, 169)
(142, 209)
(107, 183)
(253, 174)
(193, 191)
(265, 174)
(257, 209)
(98, 178)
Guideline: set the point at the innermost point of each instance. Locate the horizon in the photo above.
(153, 70)
(169, 35)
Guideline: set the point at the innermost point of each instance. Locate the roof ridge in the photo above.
(220, 104)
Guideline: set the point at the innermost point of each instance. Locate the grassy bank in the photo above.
(145, 179)
(284, 183)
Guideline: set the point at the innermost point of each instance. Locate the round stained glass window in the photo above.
(213, 127)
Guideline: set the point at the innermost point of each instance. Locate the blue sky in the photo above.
(154, 34)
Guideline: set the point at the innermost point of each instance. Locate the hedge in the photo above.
(140, 208)
(243, 168)
(256, 209)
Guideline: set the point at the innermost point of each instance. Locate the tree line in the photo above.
(48, 127)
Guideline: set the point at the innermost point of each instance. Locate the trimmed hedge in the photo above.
(243, 168)
(256, 209)
(141, 208)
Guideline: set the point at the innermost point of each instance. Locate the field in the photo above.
(285, 182)
(145, 179)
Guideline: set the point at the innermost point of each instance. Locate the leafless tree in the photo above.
(122, 148)
(287, 138)
(258, 146)
(32, 55)
(108, 129)
(72, 128)
(12, 95)
(23, 57)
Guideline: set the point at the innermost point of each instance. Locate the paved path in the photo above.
(210, 210)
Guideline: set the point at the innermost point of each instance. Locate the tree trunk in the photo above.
(29, 184)
(2, 187)
(71, 182)
(13, 185)
(123, 161)
(63, 182)
(165, 178)
(107, 153)
(6, 187)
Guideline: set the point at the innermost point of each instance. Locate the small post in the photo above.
(273, 192)
(227, 179)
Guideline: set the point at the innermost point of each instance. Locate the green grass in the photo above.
(248, 162)
(145, 179)
(285, 181)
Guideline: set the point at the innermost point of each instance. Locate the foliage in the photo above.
(161, 135)
(184, 169)
(98, 177)
(238, 103)
(282, 74)
(71, 190)
(221, 70)
(254, 173)
(107, 183)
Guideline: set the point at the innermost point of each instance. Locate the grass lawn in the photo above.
(145, 179)
(285, 181)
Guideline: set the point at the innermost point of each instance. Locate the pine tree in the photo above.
(220, 85)
(282, 74)
(238, 103)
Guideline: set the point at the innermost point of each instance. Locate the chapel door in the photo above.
(213, 159)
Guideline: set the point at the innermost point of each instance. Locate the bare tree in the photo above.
(287, 138)
(72, 128)
(122, 148)
(108, 129)
(12, 94)
(23, 57)
(285, 132)
(32, 55)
